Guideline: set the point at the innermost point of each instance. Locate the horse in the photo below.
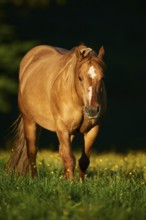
(63, 91)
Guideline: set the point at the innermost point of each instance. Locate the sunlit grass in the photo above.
(128, 164)
(114, 188)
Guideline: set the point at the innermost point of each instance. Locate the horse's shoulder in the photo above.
(46, 49)
(42, 50)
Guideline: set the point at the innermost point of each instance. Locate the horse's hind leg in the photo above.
(30, 128)
(84, 161)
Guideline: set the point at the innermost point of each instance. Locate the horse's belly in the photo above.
(47, 123)
(37, 108)
(43, 118)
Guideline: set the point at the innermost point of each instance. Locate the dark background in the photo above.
(118, 25)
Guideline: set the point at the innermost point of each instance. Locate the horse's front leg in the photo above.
(84, 161)
(30, 135)
(66, 152)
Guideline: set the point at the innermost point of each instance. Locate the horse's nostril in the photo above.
(86, 109)
(98, 109)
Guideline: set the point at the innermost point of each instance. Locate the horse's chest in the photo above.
(77, 121)
(87, 124)
(74, 121)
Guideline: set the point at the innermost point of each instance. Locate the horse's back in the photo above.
(38, 53)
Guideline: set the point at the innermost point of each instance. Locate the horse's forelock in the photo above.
(91, 59)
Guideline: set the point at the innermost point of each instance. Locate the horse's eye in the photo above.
(80, 78)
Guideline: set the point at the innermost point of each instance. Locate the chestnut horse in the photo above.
(62, 91)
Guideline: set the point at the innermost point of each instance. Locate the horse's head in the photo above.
(90, 76)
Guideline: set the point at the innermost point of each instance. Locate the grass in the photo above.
(114, 189)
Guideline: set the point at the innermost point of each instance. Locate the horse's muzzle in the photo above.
(92, 112)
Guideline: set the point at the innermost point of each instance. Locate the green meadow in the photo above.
(114, 189)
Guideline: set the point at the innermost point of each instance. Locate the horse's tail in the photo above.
(18, 162)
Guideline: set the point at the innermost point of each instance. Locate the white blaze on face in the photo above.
(90, 94)
(91, 72)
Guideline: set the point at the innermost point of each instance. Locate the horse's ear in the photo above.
(83, 52)
(101, 52)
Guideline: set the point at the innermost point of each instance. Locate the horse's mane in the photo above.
(68, 59)
(100, 62)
